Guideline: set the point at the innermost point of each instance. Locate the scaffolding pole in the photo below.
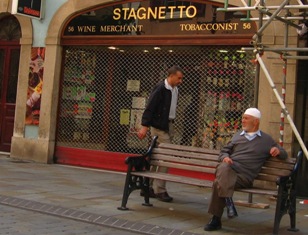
(284, 84)
(280, 50)
(258, 48)
(282, 105)
(249, 8)
(272, 17)
(284, 17)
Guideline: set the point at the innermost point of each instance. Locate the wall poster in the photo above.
(35, 85)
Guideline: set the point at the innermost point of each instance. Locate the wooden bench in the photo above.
(277, 177)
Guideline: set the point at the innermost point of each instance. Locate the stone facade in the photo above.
(41, 149)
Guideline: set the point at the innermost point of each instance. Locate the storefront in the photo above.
(113, 55)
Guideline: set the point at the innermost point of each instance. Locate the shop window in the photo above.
(104, 92)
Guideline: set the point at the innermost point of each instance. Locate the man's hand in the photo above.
(142, 132)
(274, 152)
(228, 160)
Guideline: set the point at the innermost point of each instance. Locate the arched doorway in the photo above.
(10, 33)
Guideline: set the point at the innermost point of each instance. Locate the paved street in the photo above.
(57, 199)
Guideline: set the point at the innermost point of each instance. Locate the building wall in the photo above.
(41, 147)
(274, 36)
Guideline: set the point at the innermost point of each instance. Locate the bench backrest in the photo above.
(206, 160)
(185, 158)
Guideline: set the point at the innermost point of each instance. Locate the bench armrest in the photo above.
(141, 162)
(293, 175)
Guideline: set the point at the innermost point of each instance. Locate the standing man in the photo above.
(240, 162)
(159, 114)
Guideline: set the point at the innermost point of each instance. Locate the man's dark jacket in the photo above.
(156, 113)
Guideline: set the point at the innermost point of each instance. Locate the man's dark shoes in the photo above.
(151, 191)
(231, 211)
(214, 224)
(164, 197)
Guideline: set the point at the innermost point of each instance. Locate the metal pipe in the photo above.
(285, 2)
(284, 108)
(275, 49)
(256, 8)
(288, 57)
(283, 85)
(282, 20)
(226, 4)
(285, 18)
(289, 7)
(296, 57)
(248, 12)
(257, 75)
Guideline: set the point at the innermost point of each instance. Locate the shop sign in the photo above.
(29, 8)
(142, 18)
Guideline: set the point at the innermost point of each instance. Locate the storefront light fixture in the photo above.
(156, 48)
(170, 51)
(145, 51)
(223, 51)
(112, 48)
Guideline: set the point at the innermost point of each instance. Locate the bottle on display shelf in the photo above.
(226, 61)
(235, 125)
(227, 82)
(233, 102)
(226, 104)
(239, 102)
(208, 79)
(211, 99)
(215, 81)
(221, 100)
(208, 99)
(241, 61)
(211, 145)
(220, 82)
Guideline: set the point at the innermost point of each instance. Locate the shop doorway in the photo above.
(301, 122)
(9, 63)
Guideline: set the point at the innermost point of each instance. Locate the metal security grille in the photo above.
(104, 92)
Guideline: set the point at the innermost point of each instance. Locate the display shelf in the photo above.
(224, 93)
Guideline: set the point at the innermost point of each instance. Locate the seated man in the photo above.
(240, 162)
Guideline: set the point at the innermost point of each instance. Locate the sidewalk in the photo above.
(92, 196)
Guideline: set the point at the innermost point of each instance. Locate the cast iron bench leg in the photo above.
(126, 193)
(292, 211)
(146, 189)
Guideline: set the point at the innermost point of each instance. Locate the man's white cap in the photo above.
(253, 112)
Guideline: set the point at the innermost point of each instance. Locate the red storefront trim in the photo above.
(92, 158)
(108, 161)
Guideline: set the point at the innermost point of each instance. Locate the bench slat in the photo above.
(203, 156)
(175, 178)
(274, 171)
(184, 160)
(259, 191)
(190, 149)
(209, 170)
(285, 161)
(279, 165)
(270, 178)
